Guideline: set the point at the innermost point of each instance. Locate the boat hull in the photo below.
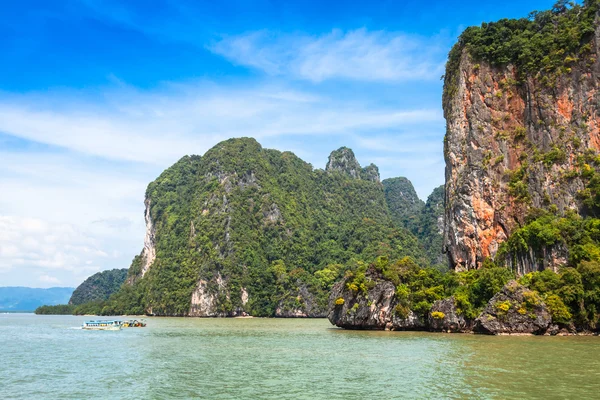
(102, 328)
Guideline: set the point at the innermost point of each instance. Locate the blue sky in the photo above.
(98, 97)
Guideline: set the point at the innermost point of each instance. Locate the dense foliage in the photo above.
(403, 202)
(573, 295)
(430, 228)
(417, 288)
(59, 309)
(424, 220)
(99, 286)
(262, 221)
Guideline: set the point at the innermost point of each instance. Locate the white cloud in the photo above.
(31, 242)
(356, 55)
(159, 127)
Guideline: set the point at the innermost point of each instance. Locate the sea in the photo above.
(51, 357)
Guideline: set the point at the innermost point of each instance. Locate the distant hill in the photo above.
(99, 286)
(18, 298)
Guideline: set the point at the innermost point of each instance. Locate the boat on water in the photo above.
(134, 323)
(102, 325)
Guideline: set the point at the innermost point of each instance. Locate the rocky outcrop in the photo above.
(370, 173)
(374, 309)
(149, 251)
(300, 304)
(444, 317)
(514, 142)
(375, 306)
(344, 161)
(515, 310)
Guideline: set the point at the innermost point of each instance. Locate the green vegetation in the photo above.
(99, 286)
(517, 184)
(418, 288)
(546, 41)
(422, 219)
(579, 236)
(59, 309)
(263, 221)
(403, 202)
(430, 229)
(546, 44)
(572, 295)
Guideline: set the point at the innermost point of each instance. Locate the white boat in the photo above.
(102, 325)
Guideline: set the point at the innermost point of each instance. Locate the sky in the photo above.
(97, 98)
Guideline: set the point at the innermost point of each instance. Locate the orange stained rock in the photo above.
(594, 125)
(565, 106)
(488, 233)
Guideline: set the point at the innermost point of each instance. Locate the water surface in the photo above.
(48, 357)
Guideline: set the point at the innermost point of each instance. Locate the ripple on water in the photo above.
(44, 357)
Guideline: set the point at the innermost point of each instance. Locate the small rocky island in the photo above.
(381, 305)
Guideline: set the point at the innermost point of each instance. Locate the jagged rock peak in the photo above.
(344, 161)
(370, 173)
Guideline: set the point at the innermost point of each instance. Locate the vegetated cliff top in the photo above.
(99, 286)
(547, 42)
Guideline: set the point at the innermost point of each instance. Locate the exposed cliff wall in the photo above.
(522, 130)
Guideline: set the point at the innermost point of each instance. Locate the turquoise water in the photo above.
(48, 357)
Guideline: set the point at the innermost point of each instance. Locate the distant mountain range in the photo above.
(18, 298)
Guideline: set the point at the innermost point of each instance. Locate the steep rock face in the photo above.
(344, 161)
(515, 310)
(445, 317)
(244, 229)
(149, 253)
(375, 309)
(514, 142)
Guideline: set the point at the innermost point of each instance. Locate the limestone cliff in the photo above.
(523, 130)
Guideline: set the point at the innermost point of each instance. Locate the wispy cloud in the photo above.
(161, 126)
(32, 242)
(356, 54)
